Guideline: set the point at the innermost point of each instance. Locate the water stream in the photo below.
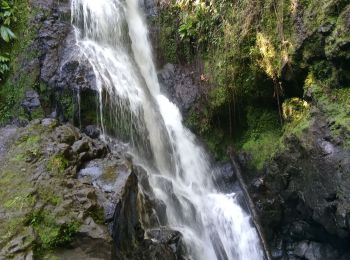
(113, 36)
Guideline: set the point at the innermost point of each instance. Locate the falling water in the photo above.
(113, 36)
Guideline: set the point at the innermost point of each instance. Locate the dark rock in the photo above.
(171, 238)
(300, 230)
(300, 198)
(7, 134)
(98, 149)
(181, 84)
(93, 242)
(76, 74)
(301, 248)
(65, 150)
(81, 146)
(160, 208)
(128, 199)
(60, 66)
(66, 134)
(91, 131)
(149, 7)
(62, 199)
(154, 210)
(258, 184)
(224, 177)
(126, 226)
(244, 159)
(31, 101)
(317, 251)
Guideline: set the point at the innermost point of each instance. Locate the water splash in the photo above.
(113, 36)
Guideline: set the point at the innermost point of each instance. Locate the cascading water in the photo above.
(113, 36)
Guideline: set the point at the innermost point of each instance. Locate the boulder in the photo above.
(224, 177)
(91, 131)
(67, 134)
(171, 238)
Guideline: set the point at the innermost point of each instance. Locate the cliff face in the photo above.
(48, 72)
(264, 61)
(303, 194)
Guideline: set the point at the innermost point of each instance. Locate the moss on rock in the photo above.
(37, 196)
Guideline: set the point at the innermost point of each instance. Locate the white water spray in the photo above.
(114, 37)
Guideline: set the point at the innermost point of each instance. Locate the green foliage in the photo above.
(4, 60)
(57, 164)
(7, 20)
(6, 34)
(28, 148)
(298, 125)
(98, 215)
(261, 138)
(50, 196)
(254, 57)
(51, 235)
(14, 81)
(198, 22)
(15, 198)
(334, 102)
(294, 109)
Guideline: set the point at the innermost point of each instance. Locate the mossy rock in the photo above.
(41, 194)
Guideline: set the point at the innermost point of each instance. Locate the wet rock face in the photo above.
(65, 76)
(31, 101)
(149, 7)
(181, 85)
(224, 177)
(91, 131)
(130, 207)
(304, 194)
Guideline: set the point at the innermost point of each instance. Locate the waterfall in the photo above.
(113, 35)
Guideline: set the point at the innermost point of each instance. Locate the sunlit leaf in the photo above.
(6, 33)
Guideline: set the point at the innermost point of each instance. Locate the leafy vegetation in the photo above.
(7, 20)
(51, 234)
(255, 54)
(57, 164)
(14, 82)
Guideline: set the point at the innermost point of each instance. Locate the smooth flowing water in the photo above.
(113, 35)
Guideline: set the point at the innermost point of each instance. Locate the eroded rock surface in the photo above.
(304, 195)
(131, 211)
(44, 209)
(181, 84)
